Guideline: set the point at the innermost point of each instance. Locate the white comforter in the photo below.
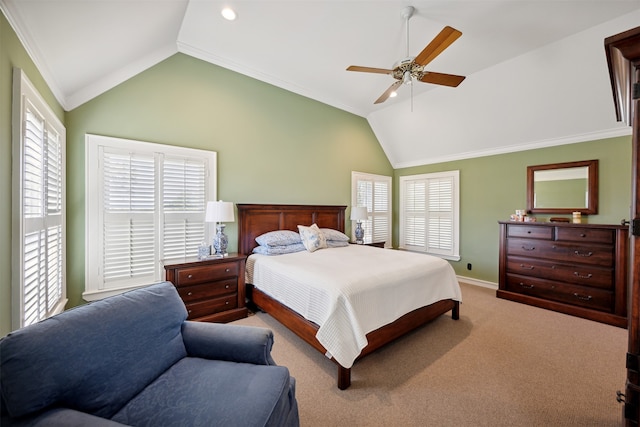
(353, 290)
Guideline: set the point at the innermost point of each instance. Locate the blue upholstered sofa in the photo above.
(133, 359)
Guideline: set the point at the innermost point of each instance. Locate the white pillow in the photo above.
(331, 234)
(312, 238)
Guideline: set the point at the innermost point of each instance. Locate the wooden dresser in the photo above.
(577, 269)
(212, 290)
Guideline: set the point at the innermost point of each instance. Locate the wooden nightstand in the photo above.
(213, 290)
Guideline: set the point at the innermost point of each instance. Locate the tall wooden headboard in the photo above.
(254, 220)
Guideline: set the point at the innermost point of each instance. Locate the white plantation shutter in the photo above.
(150, 210)
(373, 192)
(429, 213)
(183, 202)
(39, 237)
(128, 239)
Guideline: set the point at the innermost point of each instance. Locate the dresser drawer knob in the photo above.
(226, 303)
(526, 267)
(190, 276)
(526, 286)
(533, 248)
(582, 297)
(583, 254)
(583, 235)
(226, 286)
(581, 276)
(189, 293)
(227, 270)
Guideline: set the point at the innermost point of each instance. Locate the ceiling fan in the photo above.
(410, 68)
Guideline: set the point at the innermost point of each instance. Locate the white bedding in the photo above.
(353, 290)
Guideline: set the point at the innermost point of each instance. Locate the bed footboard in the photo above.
(378, 338)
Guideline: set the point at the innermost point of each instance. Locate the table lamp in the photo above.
(219, 212)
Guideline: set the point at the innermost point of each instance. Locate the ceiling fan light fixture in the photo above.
(228, 14)
(406, 78)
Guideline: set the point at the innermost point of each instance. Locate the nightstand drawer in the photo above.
(215, 305)
(193, 275)
(208, 290)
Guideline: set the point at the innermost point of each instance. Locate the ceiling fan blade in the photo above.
(442, 41)
(442, 79)
(387, 93)
(369, 69)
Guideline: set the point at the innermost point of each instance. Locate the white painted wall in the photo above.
(558, 94)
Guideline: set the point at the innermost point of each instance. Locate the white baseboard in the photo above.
(476, 282)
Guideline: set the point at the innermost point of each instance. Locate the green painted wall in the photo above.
(12, 54)
(493, 187)
(273, 146)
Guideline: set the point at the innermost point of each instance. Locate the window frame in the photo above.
(454, 175)
(369, 224)
(96, 286)
(25, 96)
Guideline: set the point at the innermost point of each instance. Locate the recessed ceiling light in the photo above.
(228, 14)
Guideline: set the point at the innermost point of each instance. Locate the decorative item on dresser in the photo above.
(212, 290)
(577, 269)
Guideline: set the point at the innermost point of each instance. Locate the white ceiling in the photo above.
(84, 48)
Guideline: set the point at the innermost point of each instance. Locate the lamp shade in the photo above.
(219, 212)
(359, 213)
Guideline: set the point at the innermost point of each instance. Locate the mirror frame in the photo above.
(592, 202)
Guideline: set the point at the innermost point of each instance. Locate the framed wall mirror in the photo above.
(563, 188)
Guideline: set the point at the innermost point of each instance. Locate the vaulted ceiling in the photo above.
(536, 70)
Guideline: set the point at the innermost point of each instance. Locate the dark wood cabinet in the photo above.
(212, 290)
(577, 269)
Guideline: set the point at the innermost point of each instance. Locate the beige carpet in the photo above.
(502, 364)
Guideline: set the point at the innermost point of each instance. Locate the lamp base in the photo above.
(220, 242)
(359, 233)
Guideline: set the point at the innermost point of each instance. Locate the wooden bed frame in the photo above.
(255, 220)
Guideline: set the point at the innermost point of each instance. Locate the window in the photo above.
(38, 273)
(374, 192)
(429, 213)
(145, 206)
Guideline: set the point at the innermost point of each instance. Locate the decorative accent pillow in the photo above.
(332, 234)
(312, 238)
(279, 250)
(278, 238)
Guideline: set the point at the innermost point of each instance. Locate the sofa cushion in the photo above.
(122, 344)
(202, 390)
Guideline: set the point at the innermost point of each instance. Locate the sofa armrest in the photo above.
(61, 417)
(233, 343)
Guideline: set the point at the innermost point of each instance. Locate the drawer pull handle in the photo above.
(526, 286)
(582, 297)
(227, 270)
(190, 293)
(529, 249)
(226, 286)
(227, 302)
(583, 254)
(588, 276)
(526, 267)
(190, 276)
(583, 235)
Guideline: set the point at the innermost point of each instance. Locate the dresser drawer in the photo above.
(561, 251)
(215, 305)
(591, 235)
(593, 298)
(529, 231)
(579, 274)
(206, 273)
(208, 290)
